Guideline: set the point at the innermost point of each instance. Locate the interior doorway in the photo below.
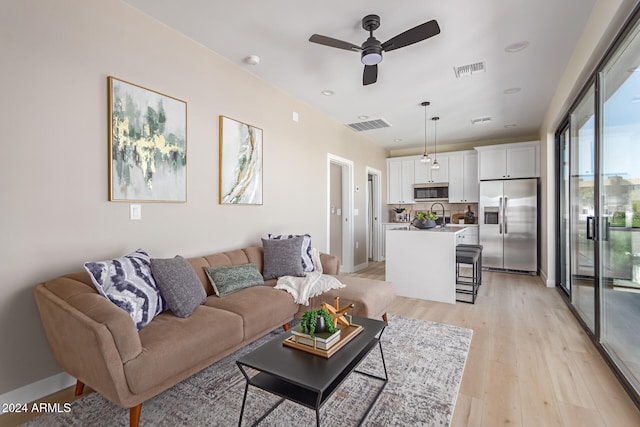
(373, 195)
(339, 210)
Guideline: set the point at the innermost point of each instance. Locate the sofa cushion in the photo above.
(305, 251)
(282, 258)
(262, 308)
(172, 345)
(128, 283)
(178, 284)
(227, 280)
(372, 298)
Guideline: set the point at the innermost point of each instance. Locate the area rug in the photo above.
(425, 362)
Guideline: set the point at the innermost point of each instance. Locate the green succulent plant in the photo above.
(308, 321)
(425, 215)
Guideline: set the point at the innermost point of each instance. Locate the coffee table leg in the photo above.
(244, 400)
(317, 418)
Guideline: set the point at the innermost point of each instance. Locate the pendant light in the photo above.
(425, 156)
(435, 165)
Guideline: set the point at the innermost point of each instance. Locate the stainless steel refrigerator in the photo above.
(508, 221)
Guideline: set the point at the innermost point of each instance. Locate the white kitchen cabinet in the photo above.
(425, 174)
(463, 177)
(509, 161)
(400, 180)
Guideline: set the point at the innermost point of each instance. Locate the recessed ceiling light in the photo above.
(363, 117)
(516, 47)
(512, 125)
(512, 90)
(397, 140)
(327, 92)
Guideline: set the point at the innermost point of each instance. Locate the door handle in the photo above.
(504, 215)
(590, 227)
(500, 217)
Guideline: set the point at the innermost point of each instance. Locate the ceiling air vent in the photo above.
(470, 69)
(481, 120)
(369, 125)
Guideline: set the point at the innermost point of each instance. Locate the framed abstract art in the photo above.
(240, 163)
(147, 144)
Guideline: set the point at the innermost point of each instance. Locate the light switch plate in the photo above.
(135, 211)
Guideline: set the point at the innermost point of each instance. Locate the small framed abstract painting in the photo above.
(147, 145)
(240, 163)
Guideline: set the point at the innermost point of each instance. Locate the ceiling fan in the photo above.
(372, 48)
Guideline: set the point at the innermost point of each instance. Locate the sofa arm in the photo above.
(330, 263)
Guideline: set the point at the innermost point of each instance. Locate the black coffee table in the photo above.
(307, 379)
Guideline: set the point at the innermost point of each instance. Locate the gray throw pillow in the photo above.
(282, 258)
(305, 253)
(178, 284)
(226, 280)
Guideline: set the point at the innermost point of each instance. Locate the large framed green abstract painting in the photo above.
(240, 163)
(147, 145)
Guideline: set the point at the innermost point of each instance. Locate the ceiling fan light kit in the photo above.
(371, 50)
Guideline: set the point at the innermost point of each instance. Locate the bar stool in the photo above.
(468, 255)
(464, 246)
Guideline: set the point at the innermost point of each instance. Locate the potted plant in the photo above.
(313, 321)
(425, 219)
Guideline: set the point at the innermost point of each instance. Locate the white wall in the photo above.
(55, 213)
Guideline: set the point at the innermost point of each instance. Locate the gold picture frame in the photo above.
(147, 144)
(241, 160)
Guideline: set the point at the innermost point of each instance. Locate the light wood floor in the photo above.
(530, 363)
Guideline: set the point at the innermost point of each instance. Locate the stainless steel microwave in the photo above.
(431, 192)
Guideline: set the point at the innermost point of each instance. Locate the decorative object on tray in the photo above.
(313, 321)
(347, 333)
(307, 336)
(424, 219)
(147, 144)
(322, 340)
(338, 315)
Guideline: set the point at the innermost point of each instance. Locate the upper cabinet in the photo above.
(400, 180)
(424, 173)
(463, 177)
(509, 161)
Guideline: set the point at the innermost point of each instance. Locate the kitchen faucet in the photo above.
(442, 206)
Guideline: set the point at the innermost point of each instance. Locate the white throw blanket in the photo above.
(314, 283)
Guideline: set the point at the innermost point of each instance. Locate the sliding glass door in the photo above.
(582, 208)
(598, 149)
(620, 212)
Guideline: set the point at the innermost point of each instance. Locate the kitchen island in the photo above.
(422, 263)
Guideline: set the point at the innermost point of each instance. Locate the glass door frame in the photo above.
(596, 79)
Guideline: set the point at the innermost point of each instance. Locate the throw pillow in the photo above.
(305, 252)
(129, 284)
(282, 258)
(178, 284)
(226, 280)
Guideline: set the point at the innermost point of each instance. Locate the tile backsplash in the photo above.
(449, 209)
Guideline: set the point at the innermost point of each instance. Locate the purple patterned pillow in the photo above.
(128, 283)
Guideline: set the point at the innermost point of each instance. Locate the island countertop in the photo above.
(422, 263)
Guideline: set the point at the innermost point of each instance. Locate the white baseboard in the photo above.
(37, 390)
(546, 281)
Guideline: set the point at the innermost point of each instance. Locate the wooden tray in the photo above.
(347, 333)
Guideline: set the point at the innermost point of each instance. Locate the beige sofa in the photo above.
(97, 342)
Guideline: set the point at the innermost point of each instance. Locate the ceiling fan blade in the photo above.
(370, 74)
(328, 41)
(414, 35)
